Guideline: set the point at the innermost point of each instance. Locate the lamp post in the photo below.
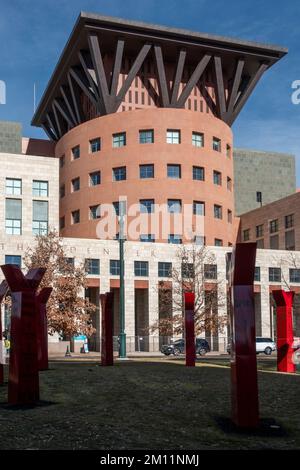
(122, 210)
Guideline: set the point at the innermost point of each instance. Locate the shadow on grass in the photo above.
(39, 404)
(267, 427)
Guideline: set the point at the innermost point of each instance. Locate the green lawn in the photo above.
(145, 404)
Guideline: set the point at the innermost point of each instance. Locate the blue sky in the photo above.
(33, 33)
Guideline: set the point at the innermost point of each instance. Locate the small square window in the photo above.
(173, 136)
(210, 271)
(294, 275)
(40, 188)
(198, 173)
(197, 139)
(95, 145)
(95, 212)
(147, 238)
(174, 206)
(218, 211)
(147, 137)
(164, 269)
(146, 206)
(141, 268)
(92, 266)
(218, 242)
(174, 239)
(216, 144)
(119, 140)
(198, 208)
(13, 187)
(146, 171)
(95, 178)
(259, 231)
(289, 221)
(76, 217)
(274, 226)
(114, 267)
(274, 274)
(119, 174)
(174, 171)
(217, 178)
(75, 184)
(76, 152)
(246, 235)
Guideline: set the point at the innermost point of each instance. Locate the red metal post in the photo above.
(244, 389)
(189, 329)
(285, 335)
(107, 357)
(23, 382)
(3, 291)
(42, 327)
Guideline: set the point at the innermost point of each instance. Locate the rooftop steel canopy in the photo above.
(236, 66)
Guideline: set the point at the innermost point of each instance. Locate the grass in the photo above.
(145, 404)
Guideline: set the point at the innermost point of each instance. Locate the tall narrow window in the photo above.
(76, 152)
(13, 216)
(40, 217)
(216, 144)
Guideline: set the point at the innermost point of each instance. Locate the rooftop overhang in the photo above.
(80, 69)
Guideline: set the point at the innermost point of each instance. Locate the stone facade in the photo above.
(271, 173)
(10, 137)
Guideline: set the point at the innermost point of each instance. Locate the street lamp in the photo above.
(122, 211)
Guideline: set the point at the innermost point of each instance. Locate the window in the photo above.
(92, 266)
(114, 267)
(187, 270)
(216, 144)
(217, 211)
(198, 208)
(257, 274)
(40, 217)
(119, 174)
(146, 206)
(40, 188)
(229, 216)
(260, 243)
(119, 140)
(197, 139)
(95, 212)
(146, 171)
(259, 231)
(141, 268)
(70, 262)
(274, 226)
(274, 275)
(218, 242)
(62, 222)
(228, 151)
(174, 171)
(147, 137)
(164, 269)
(174, 206)
(229, 183)
(246, 235)
(76, 152)
(117, 205)
(62, 191)
(289, 221)
(76, 217)
(95, 178)
(217, 178)
(13, 259)
(173, 136)
(198, 173)
(175, 239)
(199, 240)
(75, 184)
(210, 271)
(274, 242)
(95, 145)
(294, 275)
(13, 186)
(13, 216)
(62, 161)
(290, 240)
(147, 238)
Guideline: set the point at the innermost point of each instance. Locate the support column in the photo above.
(285, 336)
(189, 328)
(244, 389)
(3, 291)
(107, 358)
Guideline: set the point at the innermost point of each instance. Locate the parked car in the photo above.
(177, 347)
(263, 345)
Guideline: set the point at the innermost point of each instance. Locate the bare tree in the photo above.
(195, 271)
(68, 312)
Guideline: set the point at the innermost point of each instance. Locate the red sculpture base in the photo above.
(107, 355)
(244, 389)
(3, 291)
(23, 382)
(285, 336)
(189, 322)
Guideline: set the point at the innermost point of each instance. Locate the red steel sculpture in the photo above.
(3, 291)
(285, 336)
(107, 356)
(189, 320)
(42, 327)
(244, 389)
(23, 382)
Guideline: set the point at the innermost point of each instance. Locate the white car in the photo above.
(263, 345)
